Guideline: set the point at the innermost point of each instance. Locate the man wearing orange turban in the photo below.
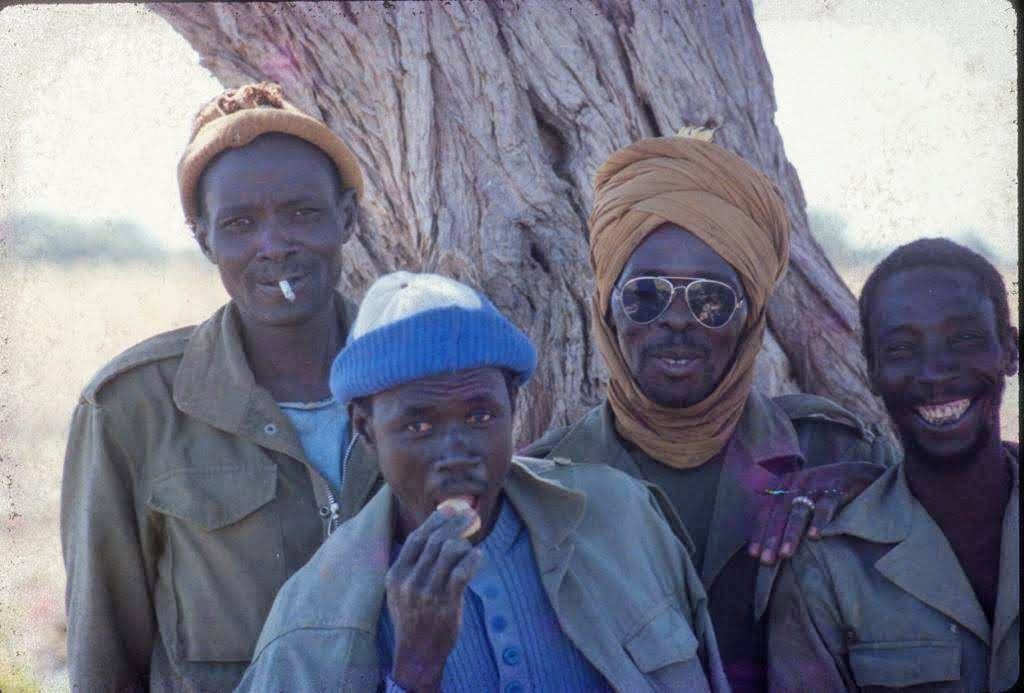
(687, 243)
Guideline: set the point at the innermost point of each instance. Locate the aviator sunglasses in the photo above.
(645, 299)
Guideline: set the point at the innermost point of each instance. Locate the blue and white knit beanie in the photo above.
(413, 326)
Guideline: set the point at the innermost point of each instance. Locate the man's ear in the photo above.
(1011, 352)
(347, 208)
(201, 233)
(361, 419)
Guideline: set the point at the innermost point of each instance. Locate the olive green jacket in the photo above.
(187, 501)
(618, 579)
(882, 602)
(774, 435)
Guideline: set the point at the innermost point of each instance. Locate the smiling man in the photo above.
(916, 583)
(204, 466)
(550, 577)
(687, 242)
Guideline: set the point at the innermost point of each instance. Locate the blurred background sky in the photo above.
(899, 117)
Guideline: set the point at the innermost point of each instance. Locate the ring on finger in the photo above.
(804, 500)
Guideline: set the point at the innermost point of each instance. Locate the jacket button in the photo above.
(510, 656)
(324, 511)
(270, 429)
(952, 628)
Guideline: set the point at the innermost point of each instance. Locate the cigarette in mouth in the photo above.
(286, 289)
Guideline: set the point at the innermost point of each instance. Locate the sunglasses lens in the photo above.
(712, 303)
(645, 298)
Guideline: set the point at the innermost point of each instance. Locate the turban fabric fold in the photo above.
(737, 211)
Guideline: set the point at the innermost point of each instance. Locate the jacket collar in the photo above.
(887, 512)
(763, 446)
(549, 512)
(215, 384)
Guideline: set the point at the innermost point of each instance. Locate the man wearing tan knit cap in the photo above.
(206, 465)
(687, 243)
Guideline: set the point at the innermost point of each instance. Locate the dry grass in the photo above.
(61, 325)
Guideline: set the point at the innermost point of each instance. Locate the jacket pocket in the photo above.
(213, 497)
(665, 639)
(905, 663)
(222, 561)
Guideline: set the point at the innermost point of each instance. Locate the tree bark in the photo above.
(479, 126)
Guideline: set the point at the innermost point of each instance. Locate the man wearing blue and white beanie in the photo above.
(472, 569)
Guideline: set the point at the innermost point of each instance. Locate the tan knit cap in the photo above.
(236, 118)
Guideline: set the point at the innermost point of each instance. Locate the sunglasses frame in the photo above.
(690, 281)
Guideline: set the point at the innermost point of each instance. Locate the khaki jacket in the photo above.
(618, 579)
(187, 501)
(882, 602)
(773, 436)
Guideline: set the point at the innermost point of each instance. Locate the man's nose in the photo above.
(276, 241)
(678, 315)
(454, 452)
(939, 367)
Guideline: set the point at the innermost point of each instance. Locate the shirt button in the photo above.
(270, 429)
(510, 656)
(498, 623)
(514, 687)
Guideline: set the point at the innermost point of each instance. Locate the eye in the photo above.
(480, 417)
(419, 427)
(306, 213)
(899, 350)
(236, 223)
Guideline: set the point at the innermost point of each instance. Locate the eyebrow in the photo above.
(230, 210)
(907, 327)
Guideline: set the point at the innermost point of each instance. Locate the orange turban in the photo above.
(738, 212)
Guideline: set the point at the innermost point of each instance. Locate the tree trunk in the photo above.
(479, 126)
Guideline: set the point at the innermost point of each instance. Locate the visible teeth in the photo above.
(944, 413)
(676, 362)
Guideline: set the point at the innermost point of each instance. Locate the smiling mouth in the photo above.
(946, 414)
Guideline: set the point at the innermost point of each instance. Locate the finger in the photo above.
(451, 553)
(414, 543)
(450, 528)
(773, 532)
(796, 524)
(464, 571)
(824, 511)
(764, 514)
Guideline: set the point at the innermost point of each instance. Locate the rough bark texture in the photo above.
(479, 126)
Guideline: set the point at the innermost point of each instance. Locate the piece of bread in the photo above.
(460, 505)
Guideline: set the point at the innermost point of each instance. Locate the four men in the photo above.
(207, 465)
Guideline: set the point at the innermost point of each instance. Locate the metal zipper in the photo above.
(334, 509)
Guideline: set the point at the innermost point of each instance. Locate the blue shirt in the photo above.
(323, 430)
(510, 639)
